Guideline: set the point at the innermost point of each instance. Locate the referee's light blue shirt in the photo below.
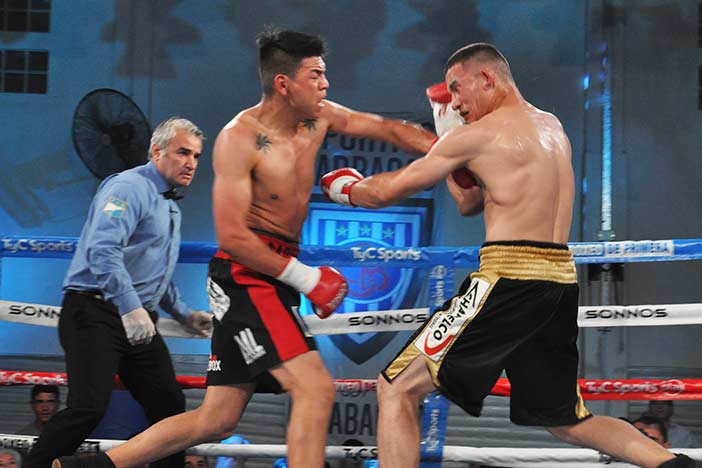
(129, 245)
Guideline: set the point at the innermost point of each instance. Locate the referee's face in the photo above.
(178, 161)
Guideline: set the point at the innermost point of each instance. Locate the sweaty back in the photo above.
(527, 176)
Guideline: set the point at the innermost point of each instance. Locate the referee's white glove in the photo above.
(199, 322)
(138, 326)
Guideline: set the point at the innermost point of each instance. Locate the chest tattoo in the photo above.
(262, 142)
(310, 124)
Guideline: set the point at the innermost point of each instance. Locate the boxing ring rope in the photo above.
(440, 261)
(590, 389)
(396, 320)
(493, 456)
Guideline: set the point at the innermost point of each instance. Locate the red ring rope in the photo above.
(591, 389)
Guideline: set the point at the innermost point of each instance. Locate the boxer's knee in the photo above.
(401, 388)
(214, 425)
(569, 434)
(385, 391)
(318, 389)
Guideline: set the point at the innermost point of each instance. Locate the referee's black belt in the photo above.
(97, 295)
(93, 294)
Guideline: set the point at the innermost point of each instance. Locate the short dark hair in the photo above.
(352, 443)
(651, 420)
(280, 51)
(37, 389)
(482, 52)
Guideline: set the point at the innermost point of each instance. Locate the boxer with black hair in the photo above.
(264, 174)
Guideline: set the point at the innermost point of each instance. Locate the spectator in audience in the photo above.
(10, 458)
(196, 461)
(357, 462)
(44, 400)
(678, 436)
(654, 428)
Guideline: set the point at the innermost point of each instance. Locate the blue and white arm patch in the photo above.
(115, 207)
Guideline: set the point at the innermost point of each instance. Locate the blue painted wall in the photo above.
(198, 59)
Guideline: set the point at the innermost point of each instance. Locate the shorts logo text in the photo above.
(214, 364)
(250, 350)
(217, 299)
(446, 324)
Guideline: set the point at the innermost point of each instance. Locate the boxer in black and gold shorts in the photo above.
(256, 325)
(517, 313)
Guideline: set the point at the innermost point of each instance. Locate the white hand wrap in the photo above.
(445, 117)
(300, 276)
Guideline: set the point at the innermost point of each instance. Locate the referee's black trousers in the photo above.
(96, 348)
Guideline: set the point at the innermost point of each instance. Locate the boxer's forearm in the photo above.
(409, 137)
(379, 191)
(247, 248)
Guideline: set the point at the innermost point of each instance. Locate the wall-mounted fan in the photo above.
(110, 133)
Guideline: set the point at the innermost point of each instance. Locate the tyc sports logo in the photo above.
(385, 254)
(446, 324)
(37, 246)
(250, 350)
(374, 239)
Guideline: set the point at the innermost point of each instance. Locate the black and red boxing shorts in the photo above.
(257, 324)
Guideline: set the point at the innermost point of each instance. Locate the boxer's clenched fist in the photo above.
(324, 286)
(337, 184)
(445, 117)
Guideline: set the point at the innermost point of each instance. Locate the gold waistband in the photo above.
(527, 262)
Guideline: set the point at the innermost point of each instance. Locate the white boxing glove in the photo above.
(199, 322)
(445, 117)
(138, 326)
(336, 185)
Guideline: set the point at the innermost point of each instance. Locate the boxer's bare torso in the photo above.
(281, 169)
(524, 169)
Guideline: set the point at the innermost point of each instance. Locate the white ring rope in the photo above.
(398, 320)
(495, 456)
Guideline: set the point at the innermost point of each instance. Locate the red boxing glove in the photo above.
(337, 184)
(463, 178)
(329, 292)
(439, 93)
(324, 286)
(445, 117)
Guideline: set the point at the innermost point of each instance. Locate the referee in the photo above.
(120, 272)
